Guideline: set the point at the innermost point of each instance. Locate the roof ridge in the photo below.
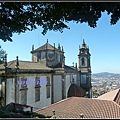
(54, 103)
(11, 62)
(100, 99)
(10, 104)
(116, 104)
(77, 104)
(26, 61)
(116, 94)
(44, 46)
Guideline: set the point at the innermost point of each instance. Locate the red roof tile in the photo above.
(76, 91)
(91, 108)
(113, 95)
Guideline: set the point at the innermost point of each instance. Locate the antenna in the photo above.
(81, 38)
(38, 41)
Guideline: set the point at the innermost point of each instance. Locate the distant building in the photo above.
(46, 79)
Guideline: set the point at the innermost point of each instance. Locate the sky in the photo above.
(103, 42)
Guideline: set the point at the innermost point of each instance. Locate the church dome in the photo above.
(75, 91)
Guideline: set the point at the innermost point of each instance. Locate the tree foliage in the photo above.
(18, 17)
(2, 55)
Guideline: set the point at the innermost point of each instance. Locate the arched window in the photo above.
(43, 55)
(58, 57)
(83, 61)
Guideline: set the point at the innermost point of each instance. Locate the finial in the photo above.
(83, 41)
(73, 64)
(47, 44)
(5, 60)
(81, 115)
(62, 49)
(32, 47)
(53, 112)
(84, 45)
(17, 62)
(59, 46)
(76, 66)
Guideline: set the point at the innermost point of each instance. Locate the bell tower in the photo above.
(84, 69)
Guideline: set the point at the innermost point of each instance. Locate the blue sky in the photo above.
(103, 41)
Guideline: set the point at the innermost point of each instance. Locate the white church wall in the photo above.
(44, 101)
(10, 90)
(57, 88)
(75, 78)
(68, 83)
(31, 90)
(43, 94)
(48, 100)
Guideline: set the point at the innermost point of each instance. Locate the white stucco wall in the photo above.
(75, 79)
(68, 83)
(57, 88)
(44, 101)
(10, 90)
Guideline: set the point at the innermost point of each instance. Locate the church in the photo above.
(45, 79)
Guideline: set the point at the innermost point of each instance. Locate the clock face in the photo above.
(50, 56)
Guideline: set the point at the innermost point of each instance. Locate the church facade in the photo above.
(46, 79)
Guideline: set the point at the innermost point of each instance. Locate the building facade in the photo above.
(46, 79)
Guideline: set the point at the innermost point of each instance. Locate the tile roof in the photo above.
(43, 47)
(70, 68)
(26, 65)
(117, 98)
(75, 91)
(11, 106)
(110, 95)
(73, 107)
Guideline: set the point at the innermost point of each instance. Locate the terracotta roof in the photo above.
(117, 98)
(113, 95)
(69, 68)
(11, 106)
(43, 47)
(73, 107)
(26, 65)
(76, 91)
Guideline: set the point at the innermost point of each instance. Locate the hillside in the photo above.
(105, 74)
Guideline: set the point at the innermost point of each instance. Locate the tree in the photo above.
(2, 55)
(18, 17)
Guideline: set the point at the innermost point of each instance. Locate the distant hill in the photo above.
(105, 74)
